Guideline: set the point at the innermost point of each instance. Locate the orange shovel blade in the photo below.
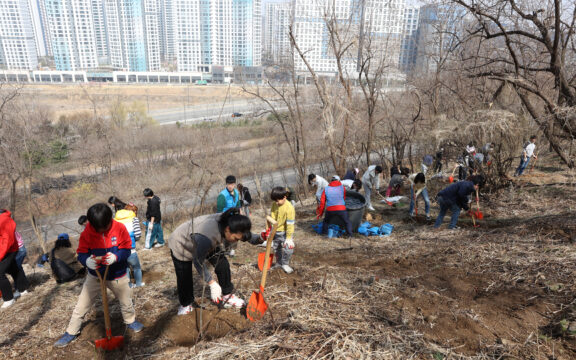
(262, 258)
(256, 306)
(451, 179)
(108, 344)
(479, 215)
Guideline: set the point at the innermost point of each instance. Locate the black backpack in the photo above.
(61, 270)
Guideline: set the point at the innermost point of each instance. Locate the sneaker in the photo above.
(7, 303)
(275, 266)
(287, 269)
(65, 340)
(262, 244)
(146, 248)
(232, 253)
(371, 208)
(137, 286)
(136, 326)
(158, 245)
(232, 300)
(18, 294)
(184, 310)
(411, 216)
(454, 228)
(428, 218)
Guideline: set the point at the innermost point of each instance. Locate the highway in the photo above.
(207, 112)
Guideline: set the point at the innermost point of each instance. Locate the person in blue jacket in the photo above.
(229, 197)
(456, 197)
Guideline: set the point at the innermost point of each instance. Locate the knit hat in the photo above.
(335, 178)
(63, 236)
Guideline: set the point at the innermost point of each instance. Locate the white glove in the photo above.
(215, 292)
(289, 244)
(109, 259)
(91, 263)
(150, 226)
(246, 203)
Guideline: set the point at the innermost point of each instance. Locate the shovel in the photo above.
(109, 342)
(262, 256)
(478, 214)
(257, 305)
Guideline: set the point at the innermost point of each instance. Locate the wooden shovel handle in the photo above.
(477, 201)
(271, 222)
(107, 323)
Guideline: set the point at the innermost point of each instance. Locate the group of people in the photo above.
(111, 230)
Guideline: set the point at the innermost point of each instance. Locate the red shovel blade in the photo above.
(262, 258)
(256, 306)
(110, 342)
(479, 215)
(451, 179)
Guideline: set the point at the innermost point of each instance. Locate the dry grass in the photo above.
(503, 290)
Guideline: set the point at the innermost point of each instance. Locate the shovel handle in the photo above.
(107, 323)
(477, 201)
(274, 224)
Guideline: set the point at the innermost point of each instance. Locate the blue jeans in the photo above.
(155, 235)
(134, 263)
(522, 166)
(20, 255)
(426, 198)
(444, 206)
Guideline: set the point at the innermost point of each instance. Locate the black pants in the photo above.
(184, 281)
(8, 266)
(342, 214)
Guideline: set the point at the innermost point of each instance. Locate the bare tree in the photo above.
(531, 46)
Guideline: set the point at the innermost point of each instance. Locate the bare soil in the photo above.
(503, 290)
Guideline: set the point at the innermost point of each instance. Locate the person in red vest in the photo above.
(8, 265)
(333, 201)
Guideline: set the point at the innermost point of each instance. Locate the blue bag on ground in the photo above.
(386, 229)
(317, 228)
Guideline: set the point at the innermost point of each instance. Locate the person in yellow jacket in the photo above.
(283, 243)
(126, 214)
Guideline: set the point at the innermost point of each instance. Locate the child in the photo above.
(283, 212)
(153, 223)
(417, 187)
(104, 242)
(371, 179)
(245, 199)
(396, 183)
(319, 182)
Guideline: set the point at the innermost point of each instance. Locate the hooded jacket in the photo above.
(116, 240)
(333, 198)
(128, 218)
(8, 243)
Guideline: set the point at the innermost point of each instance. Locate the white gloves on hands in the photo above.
(109, 259)
(215, 292)
(289, 244)
(150, 226)
(91, 263)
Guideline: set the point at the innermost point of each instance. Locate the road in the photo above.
(207, 112)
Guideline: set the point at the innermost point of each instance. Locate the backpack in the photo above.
(61, 270)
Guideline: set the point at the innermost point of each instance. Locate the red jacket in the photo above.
(116, 240)
(335, 200)
(8, 242)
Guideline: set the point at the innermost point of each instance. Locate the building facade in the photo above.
(17, 39)
(409, 47)
(72, 34)
(133, 34)
(276, 40)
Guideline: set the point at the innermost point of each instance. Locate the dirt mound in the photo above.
(185, 330)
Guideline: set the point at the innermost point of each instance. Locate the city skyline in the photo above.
(188, 35)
